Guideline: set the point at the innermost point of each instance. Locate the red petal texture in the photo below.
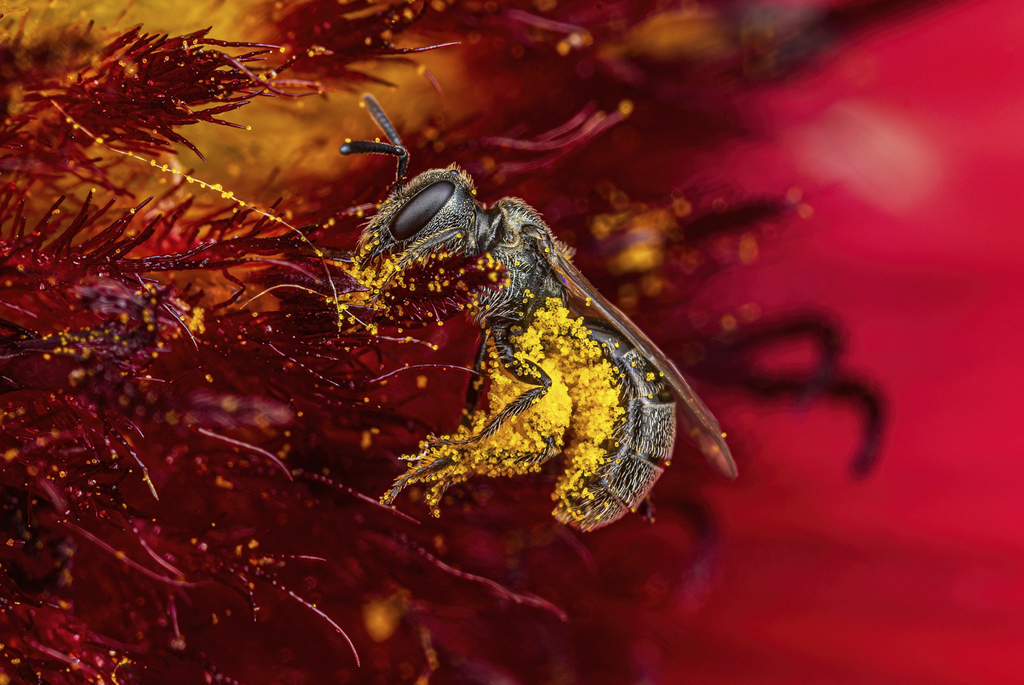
(909, 148)
(812, 207)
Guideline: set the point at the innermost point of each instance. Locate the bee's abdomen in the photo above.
(647, 433)
(630, 477)
(644, 437)
(649, 428)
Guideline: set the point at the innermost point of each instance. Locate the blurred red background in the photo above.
(909, 145)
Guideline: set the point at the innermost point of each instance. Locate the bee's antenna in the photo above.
(396, 148)
(381, 119)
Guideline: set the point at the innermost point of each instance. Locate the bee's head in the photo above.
(434, 212)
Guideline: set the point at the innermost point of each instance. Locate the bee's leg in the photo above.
(551, 449)
(522, 370)
(434, 470)
(444, 471)
(647, 509)
(476, 383)
(527, 372)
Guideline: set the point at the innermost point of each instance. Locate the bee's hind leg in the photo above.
(522, 370)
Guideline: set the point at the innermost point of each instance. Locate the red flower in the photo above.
(201, 411)
(902, 144)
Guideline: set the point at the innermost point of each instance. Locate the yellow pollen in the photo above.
(576, 417)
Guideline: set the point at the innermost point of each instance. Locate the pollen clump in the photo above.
(374, 276)
(194, 320)
(577, 416)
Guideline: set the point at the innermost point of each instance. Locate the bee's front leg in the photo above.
(476, 383)
(442, 465)
(430, 469)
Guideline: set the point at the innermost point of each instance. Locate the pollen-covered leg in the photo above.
(442, 469)
(515, 407)
(522, 370)
(445, 465)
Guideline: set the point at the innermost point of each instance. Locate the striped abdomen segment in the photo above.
(644, 437)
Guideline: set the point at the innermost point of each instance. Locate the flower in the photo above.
(204, 398)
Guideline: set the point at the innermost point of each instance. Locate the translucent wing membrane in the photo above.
(697, 420)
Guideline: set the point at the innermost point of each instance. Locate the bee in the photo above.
(436, 212)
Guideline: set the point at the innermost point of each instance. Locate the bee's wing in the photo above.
(698, 421)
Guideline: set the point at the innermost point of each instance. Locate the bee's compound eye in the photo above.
(418, 211)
